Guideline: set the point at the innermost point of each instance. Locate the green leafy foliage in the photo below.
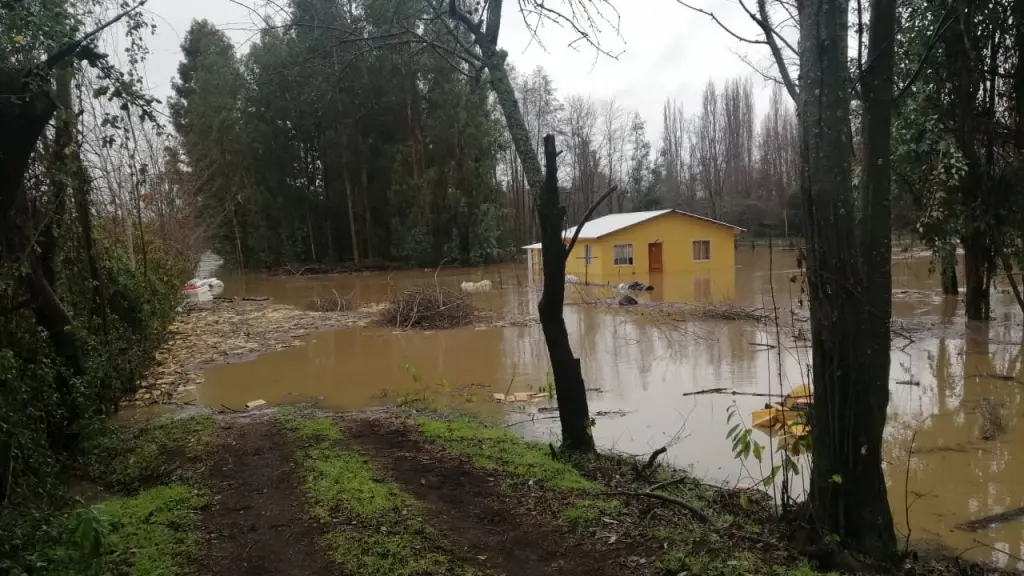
(140, 532)
(45, 405)
(744, 446)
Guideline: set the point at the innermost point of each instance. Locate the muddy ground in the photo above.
(257, 524)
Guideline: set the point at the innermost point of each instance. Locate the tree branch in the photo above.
(586, 216)
(671, 500)
(467, 56)
(72, 47)
(720, 25)
(770, 37)
(493, 21)
(464, 19)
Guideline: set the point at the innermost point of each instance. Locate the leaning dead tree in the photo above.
(573, 410)
(476, 35)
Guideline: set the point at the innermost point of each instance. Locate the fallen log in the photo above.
(1003, 517)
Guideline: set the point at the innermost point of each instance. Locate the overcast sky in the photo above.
(669, 51)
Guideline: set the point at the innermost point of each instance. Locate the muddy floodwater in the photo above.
(638, 369)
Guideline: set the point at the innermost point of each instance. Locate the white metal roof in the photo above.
(614, 222)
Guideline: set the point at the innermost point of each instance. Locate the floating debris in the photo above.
(788, 418)
(520, 396)
(229, 330)
(428, 308)
(255, 403)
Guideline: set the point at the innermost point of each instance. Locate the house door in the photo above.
(654, 256)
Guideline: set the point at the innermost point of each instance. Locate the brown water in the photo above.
(639, 370)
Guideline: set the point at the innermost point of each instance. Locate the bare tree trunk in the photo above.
(950, 287)
(573, 410)
(351, 218)
(849, 313)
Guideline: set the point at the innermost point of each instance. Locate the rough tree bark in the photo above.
(850, 285)
(950, 286)
(573, 410)
(976, 242)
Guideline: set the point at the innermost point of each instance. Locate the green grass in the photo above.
(574, 500)
(379, 529)
(586, 512)
(150, 526)
(129, 459)
(399, 554)
(154, 532)
(502, 451)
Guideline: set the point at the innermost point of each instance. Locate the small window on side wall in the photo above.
(701, 250)
(623, 254)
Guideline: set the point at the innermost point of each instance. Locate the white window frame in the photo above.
(627, 259)
(588, 255)
(694, 245)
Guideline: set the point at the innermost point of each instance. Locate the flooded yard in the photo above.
(639, 368)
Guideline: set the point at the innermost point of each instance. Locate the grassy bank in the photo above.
(684, 525)
(374, 526)
(137, 508)
(389, 492)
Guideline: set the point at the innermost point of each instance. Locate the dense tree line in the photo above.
(316, 149)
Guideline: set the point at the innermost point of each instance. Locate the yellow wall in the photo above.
(675, 231)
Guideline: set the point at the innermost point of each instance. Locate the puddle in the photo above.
(639, 368)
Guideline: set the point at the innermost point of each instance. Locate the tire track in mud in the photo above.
(256, 524)
(472, 507)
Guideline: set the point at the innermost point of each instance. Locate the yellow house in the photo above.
(618, 247)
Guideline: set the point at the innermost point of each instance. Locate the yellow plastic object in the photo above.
(799, 395)
(763, 418)
(774, 416)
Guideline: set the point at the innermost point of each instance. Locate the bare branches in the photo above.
(721, 25)
(700, 514)
(586, 216)
(470, 57)
(585, 18)
(772, 38)
(74, 46)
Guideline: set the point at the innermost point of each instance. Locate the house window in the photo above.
(587, 255)
(623, 254)
(701, 250)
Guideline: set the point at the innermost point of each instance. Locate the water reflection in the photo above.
(639, 371)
